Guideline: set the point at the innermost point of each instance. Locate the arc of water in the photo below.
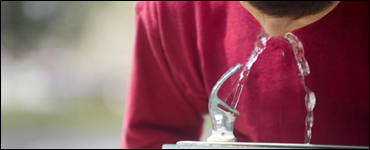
(304, 70)
(237, 86)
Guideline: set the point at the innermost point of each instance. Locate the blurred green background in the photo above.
(64, 73)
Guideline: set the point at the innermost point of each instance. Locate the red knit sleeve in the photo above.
(157, 111)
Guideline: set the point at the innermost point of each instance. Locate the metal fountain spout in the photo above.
(222, 121)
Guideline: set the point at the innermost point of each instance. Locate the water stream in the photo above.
(237, 86)
(303, 68)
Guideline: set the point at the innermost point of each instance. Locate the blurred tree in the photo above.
(24, 23)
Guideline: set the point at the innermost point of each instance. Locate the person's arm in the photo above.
(157, 110)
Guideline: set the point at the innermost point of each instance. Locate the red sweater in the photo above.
(183, 48)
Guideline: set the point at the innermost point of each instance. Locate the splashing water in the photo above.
(304, 70)
(259, 46)
(302, 65)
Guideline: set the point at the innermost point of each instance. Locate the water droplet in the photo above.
(310, 100)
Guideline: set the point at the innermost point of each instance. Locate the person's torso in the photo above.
(208, 38)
